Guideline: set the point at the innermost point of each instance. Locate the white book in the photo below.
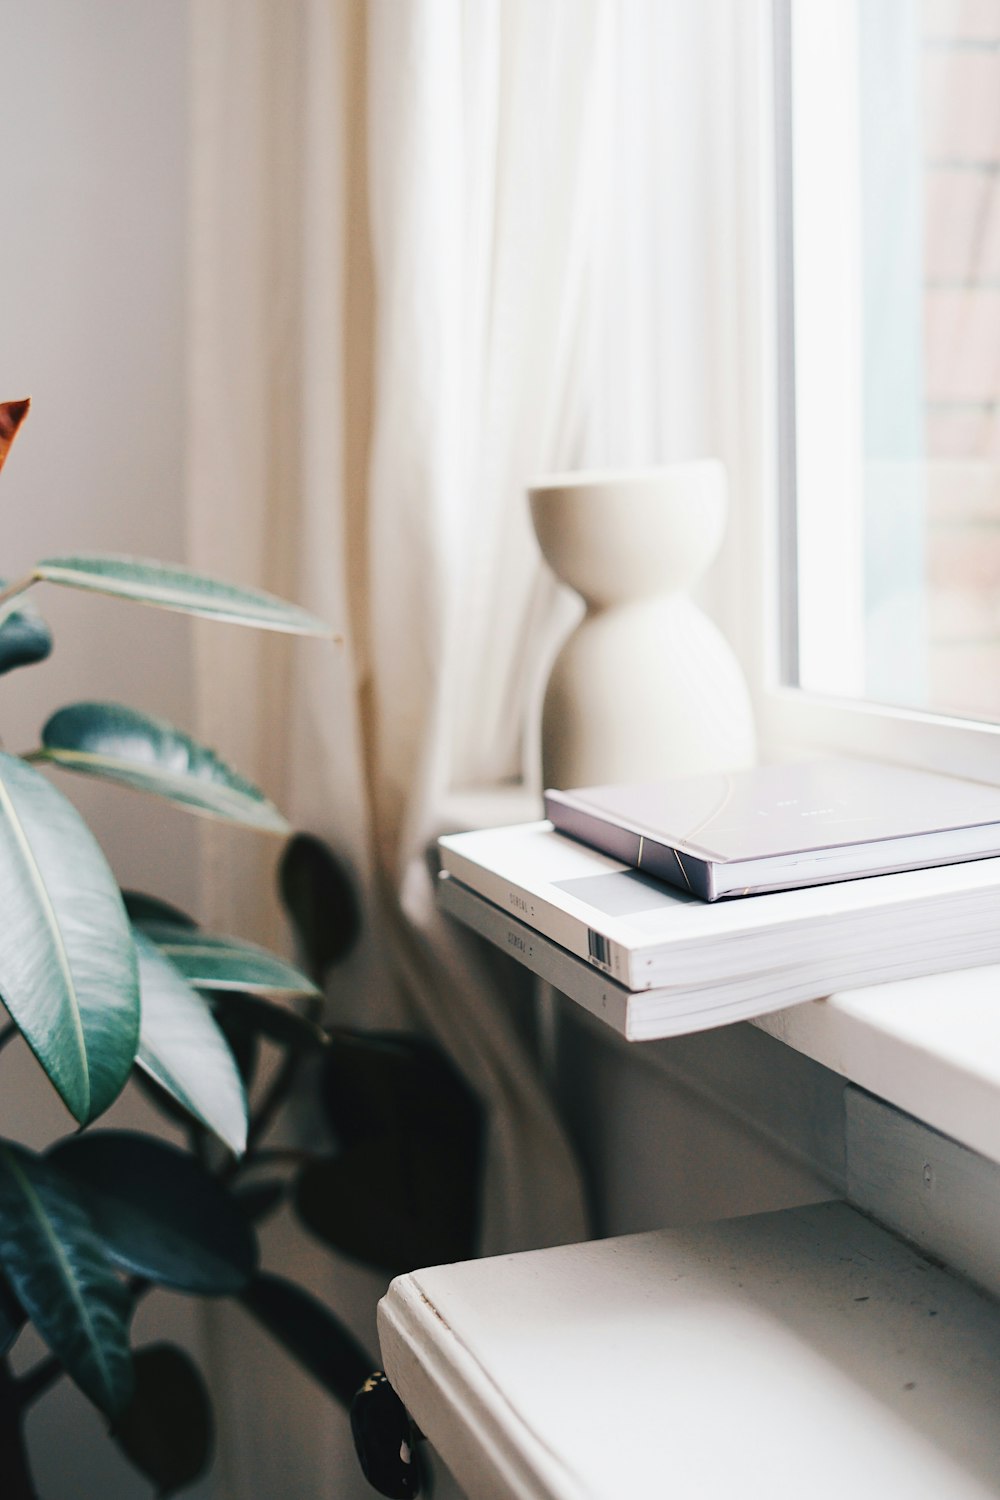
(678, 1010)
(646, 935)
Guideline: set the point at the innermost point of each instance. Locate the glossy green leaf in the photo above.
(405, 1190)
(393, 1203)
(68, 971)
(182, 1048)
(164, 1102)
(11, 1316)
(144, 908)
(24, 636)
(276, 1022)
(55, 1262)
(389, 1082)
(210, 962)
(321, 900)
(259, 1199)
(243, 1043)
(171, 587)
(310, 1333)
(167, 1430)
(160, 1213)
(120, 744)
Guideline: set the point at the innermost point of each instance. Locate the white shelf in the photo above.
(806, 1352)
(930, 1046)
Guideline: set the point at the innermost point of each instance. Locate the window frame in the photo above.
(792, 719)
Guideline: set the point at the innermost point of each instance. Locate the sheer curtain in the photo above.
(437, 247)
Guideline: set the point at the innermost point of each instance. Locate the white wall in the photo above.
(92, 116)
(91, 326)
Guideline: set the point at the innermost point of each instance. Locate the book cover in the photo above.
(679, 1010)
(646, 934)
(781, 827)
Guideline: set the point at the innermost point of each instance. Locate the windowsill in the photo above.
(930, 1046)
(779, 1354)
(471, 807)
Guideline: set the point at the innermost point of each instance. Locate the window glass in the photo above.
(890, 135)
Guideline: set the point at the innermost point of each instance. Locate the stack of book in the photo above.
(711, 899)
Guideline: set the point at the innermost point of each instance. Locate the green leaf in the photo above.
(276, 1022)
(321, 901)
(393, 1203)
(117, 743)
(24, 636)
(68, 971)
(55, 1261)
(210, 962)
(310, 1333)
(160, 1213)
(405, 1191)
(171, 587)
(167, 1429)
(182, 1048)
(391, 1082)
(258, 1199)
(143, 908)
(244, 1044)
(161, 1100)
(11, 1316)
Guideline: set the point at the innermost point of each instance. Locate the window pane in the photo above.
(894, 112)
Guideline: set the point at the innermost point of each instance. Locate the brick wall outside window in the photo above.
(961, 95)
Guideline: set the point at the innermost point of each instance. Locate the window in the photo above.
(888, 377)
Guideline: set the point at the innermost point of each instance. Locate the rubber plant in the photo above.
(106, 987)
(110, 987)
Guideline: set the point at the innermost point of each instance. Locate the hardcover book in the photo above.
(646, 934)
(679, 1009)
(776, 828)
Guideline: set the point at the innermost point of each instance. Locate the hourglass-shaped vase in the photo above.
(646, 686)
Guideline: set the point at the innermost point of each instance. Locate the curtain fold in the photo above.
(437, 248)
(481, 120)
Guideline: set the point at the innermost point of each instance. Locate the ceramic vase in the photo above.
(646, 686)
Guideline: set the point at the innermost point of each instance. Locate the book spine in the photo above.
(686, 871)
(562, 926)
(563, 970)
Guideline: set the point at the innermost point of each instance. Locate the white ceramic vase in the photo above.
(646, 686)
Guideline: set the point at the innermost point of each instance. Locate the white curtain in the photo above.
(437, 247)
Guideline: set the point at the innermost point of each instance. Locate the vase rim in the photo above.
(650, 474)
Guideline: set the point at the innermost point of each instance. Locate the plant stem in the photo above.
(198, 1145)
(37, 1381)
(293, 1156)
(17, 1480)
(13, 589)
(276, 1095)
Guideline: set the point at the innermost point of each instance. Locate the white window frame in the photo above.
(789, 718)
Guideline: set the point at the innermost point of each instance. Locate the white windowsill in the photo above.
(777, 1355)
(930, 1046)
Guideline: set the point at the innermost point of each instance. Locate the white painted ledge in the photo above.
(801, 1353)
(930, 1046)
